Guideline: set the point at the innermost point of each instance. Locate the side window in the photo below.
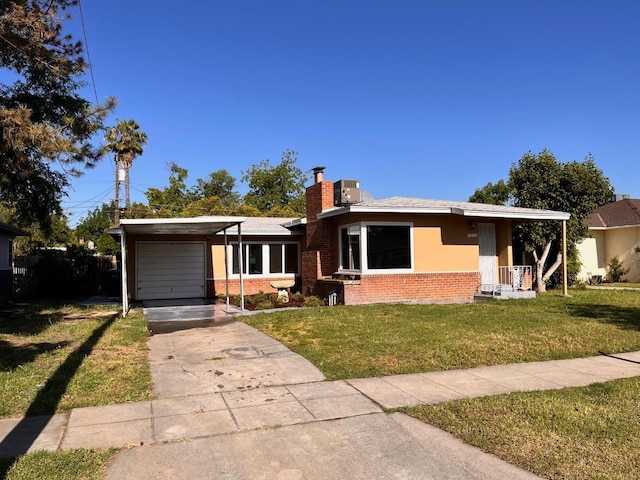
(350, 247)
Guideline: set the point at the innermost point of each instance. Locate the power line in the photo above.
(86, 45)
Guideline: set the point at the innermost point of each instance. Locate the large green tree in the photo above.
(220, 184)
(541, 181)
(171, 200)
(46, 126)
(272, 186)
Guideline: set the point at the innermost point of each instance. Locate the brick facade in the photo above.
(439, 287)
(318, 248)
(252, 286)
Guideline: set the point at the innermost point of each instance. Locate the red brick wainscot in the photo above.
(439, 287)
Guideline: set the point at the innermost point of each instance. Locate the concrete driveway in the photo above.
(240, 405)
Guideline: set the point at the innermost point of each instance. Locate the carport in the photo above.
(154, 252)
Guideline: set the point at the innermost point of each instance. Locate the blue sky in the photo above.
(429, 99)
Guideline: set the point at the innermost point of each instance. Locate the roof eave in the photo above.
(543, 215)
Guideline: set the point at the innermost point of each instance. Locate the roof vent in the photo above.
(346, 192)
(620, 196)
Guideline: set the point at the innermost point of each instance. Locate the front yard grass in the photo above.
(78, 464)
(54, 358)
(366, 341)
(575, 433)
(578, 433)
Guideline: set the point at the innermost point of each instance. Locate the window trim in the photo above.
(266, 259)
(364, 267)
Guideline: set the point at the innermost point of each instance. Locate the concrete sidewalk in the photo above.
(232, 379)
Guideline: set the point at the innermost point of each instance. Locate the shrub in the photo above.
(313, 302)
(264, 305)
(615, 270)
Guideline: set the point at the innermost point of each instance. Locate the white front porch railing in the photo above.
(518, 277)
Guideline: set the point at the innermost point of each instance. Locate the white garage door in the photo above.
(170, 270)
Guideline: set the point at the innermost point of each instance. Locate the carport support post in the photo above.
(565, 291)
(241, 263)
(123, 270)
(226, 268)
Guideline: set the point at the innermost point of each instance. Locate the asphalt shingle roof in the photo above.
(616, 214)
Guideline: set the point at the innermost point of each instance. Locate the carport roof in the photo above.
(177, 226)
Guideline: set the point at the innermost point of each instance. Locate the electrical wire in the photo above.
(86, 47)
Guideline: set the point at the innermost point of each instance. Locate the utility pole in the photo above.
(120, 177)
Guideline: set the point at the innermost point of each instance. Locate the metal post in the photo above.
(240, 259)
(565, 290)
(123, 270)
(226, 268)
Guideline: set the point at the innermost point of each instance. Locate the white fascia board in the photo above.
(356, 209)
(184, 220)
(617, 227)
(533, 215)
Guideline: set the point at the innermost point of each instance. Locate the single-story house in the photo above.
(7, 234)
(362, 250)
(615, 232)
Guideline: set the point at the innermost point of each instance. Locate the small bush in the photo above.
(313, 302)
(264, 305)
(615, 270)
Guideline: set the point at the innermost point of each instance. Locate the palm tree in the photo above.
(125, 140)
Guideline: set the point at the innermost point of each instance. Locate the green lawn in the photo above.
(575, 433)
(365, 341)
(58, 358)
(55, 358)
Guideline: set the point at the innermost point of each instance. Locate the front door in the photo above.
(487, 244)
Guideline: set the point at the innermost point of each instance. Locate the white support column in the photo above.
(123, 270)
(241, 260)
(226, 268)
(565, 290)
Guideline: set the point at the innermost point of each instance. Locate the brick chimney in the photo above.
(319, 245)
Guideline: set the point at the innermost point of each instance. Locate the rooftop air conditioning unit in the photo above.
(346, 192)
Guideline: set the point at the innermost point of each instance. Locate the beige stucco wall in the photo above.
(596, 252)
(434, 254)
(443, 243)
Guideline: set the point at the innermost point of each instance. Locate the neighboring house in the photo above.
(615, 232)
(7, 235)
(371, 251)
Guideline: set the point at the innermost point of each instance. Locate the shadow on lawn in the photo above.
(624, 317)
(44, 406)
(12, 356)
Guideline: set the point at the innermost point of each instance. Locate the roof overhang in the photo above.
(615, 227)
(176, 226)
(529, 214)
(13, 231)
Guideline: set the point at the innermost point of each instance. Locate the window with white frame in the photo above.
(369, 246)
(267, 259)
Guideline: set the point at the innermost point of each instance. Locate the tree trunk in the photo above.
(541, 276)
(540, 282)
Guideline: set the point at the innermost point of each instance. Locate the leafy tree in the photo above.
(140, 210)
(95, 228)
(173, 199)
(220, 184)
(96, 222)
(497, 194)
(46, 127)
(276, 186)
(214, 206)
(540, 181)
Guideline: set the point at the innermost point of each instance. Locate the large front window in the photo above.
(267, 259)
(383, 246)
(388, 246)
